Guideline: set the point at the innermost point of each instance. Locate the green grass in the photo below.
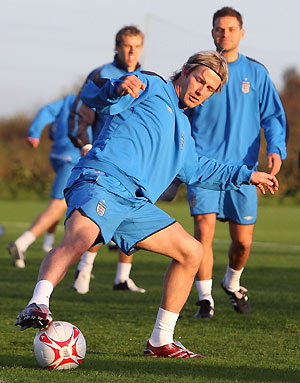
(263, 347)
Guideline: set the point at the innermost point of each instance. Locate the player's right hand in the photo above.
(262, 180)
(131, 85)
(34, 142)
(86, 148)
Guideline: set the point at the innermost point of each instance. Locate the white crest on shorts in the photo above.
(245, 86)
(101, 209)
(248, 218)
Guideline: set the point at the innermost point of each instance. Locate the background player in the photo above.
(128, 46)
(63, 156)
(227, 128)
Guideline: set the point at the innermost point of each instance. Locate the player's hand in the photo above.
(34, 142)
(262, 180)
(274, 163)
(131, 85)
(86, 148)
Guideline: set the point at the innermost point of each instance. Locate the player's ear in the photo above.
(242, 33)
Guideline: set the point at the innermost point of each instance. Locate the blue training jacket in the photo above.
(56, 113)
(227, 126)
(82, 116)
(146, 141)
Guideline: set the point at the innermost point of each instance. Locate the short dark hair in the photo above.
(228, 11)
(128, 30)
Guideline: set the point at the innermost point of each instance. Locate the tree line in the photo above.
(26, 173)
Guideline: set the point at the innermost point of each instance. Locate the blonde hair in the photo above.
(211, 59)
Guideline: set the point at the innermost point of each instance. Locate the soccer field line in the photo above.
(24, 225)
(60, 228)
(264, 244)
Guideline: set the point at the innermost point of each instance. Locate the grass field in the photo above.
(263, 347)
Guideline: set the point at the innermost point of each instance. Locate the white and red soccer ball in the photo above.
(61, 347)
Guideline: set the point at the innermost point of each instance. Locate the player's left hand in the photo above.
(274, 163)
(262, 180)
(131, 85)
(34, 142)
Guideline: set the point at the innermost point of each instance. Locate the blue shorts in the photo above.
(239, 206)
(119, 214)
(63, 170)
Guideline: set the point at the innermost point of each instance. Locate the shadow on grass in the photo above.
(191, 370)
(179, 370)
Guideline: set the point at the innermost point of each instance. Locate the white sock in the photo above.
(87, 261)
(49, 239)
(204, 291)
(164, 328)
(42, 292)
(25, 240)
(232, 279)
(123, 272)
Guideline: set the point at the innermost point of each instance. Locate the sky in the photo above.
(49, 47)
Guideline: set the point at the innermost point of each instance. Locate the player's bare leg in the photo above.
(53, 213)
(204, 230)
(186, 253)
(42, 223)
(239, 252)
(80, 233)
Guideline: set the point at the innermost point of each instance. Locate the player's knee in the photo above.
(243, 245)
(193, 254)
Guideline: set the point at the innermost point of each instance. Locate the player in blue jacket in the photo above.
(112, 191)
(128, 46)
(63, 156)
(227, 128)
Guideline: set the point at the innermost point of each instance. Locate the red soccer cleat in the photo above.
(171, 350)
(36, 316)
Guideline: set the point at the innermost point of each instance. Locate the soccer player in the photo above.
(227, 128)
(128, 46)
(63, 156)
(113, 189)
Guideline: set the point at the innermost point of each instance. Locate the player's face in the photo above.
(227, 33)
(129, 51)
(197, 86)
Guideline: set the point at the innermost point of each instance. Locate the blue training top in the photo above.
(81, 116)
(146, 142)
(56, 113)
(227, 126)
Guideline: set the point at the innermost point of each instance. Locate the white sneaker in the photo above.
(128, 285)
(82, 281)
(17, 256)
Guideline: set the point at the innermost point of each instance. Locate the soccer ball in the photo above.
(60, 347)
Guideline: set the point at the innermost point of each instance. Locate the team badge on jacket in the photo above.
(245, 86)
(101, 209)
